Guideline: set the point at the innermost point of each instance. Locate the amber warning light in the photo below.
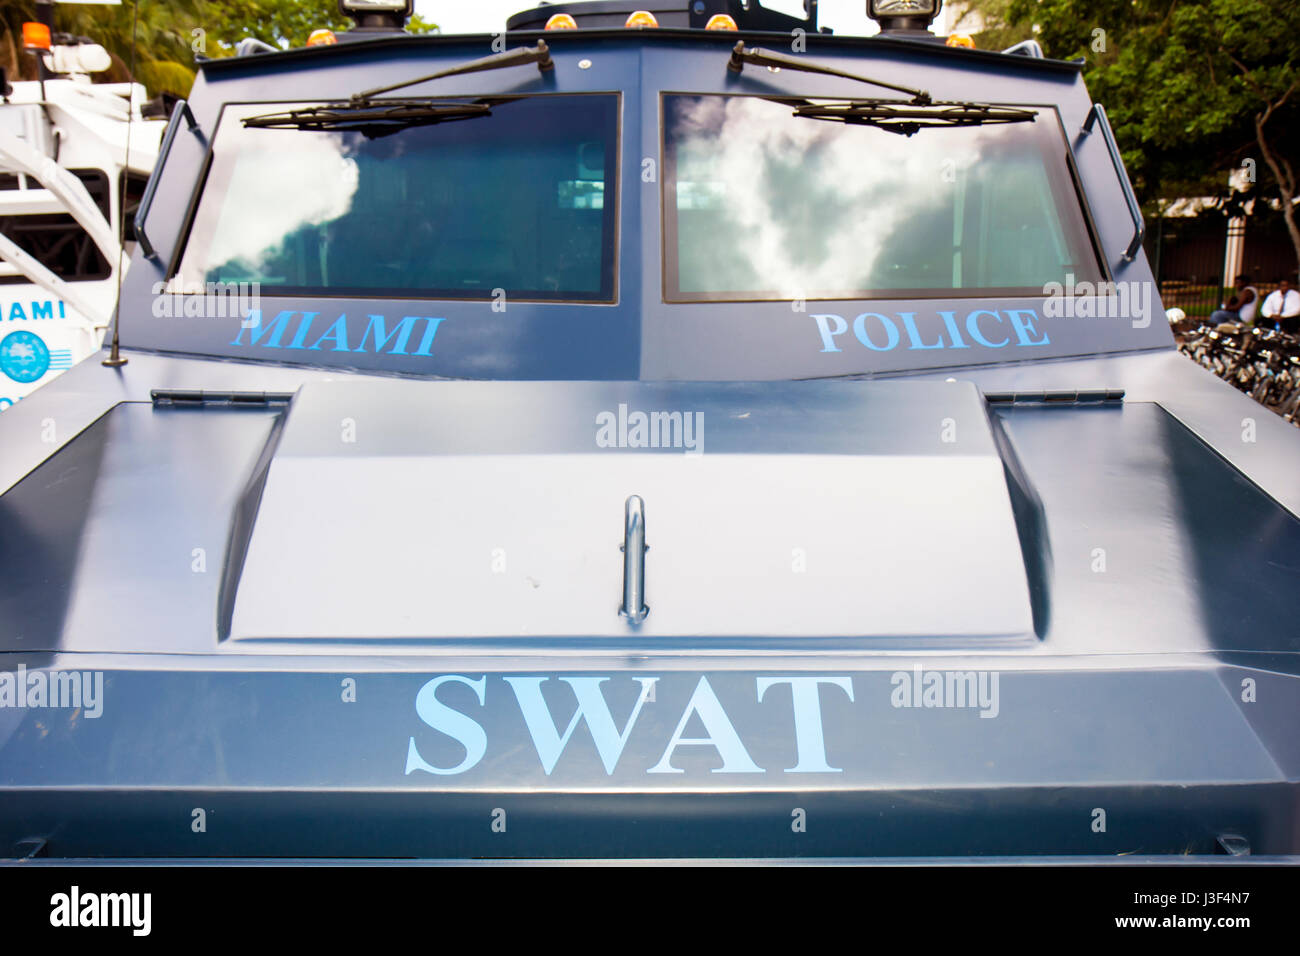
(36, 36)
(641, 19)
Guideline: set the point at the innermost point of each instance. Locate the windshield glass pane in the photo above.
(761, 204)
(521, 200)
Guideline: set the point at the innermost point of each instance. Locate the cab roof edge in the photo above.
(559, 41)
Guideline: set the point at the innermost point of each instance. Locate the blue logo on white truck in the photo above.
(24, 356)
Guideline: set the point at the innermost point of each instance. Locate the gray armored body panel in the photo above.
(657, 442)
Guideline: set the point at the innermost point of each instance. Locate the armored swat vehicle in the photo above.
(669, 432)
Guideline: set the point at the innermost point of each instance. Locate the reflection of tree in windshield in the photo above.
(778, 206)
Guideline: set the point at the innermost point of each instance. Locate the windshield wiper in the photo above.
(363, 112)
(903, 117)
(374, 119)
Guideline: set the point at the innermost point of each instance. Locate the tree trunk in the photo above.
(1284, 176)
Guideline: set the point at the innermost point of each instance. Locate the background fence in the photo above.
(1187, 255)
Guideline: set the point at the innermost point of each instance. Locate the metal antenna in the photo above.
(115, 359)
(45, 15)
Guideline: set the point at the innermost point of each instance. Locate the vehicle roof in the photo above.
(710, 38)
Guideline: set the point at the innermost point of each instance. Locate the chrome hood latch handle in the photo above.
(634, 549)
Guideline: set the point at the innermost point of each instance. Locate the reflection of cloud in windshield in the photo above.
(277, 189)
(808, 203)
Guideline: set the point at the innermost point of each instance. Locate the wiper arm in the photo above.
(363, 113)
(373, 118)
(742, 55)
(906, 118)
(540, 54)
(903, 117)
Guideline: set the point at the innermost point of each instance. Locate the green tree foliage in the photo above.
(169, 34)
(284, 23)
(163, 39)
(988, 24)
(1194, 89)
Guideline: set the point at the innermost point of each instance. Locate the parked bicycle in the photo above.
(1263, 363)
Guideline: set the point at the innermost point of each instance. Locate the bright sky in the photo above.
(489, 16)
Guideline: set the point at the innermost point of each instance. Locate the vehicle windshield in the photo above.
(509, 203)
(761, 204)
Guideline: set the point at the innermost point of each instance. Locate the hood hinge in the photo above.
(1067, 396)
(195, 397)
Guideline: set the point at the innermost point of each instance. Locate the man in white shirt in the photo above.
(1282, 308)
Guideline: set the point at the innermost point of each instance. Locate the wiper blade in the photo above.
(905, 117)
(742, 55)
(373, 118)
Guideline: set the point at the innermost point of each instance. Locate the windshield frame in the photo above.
(669, 278)
(611, 256)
